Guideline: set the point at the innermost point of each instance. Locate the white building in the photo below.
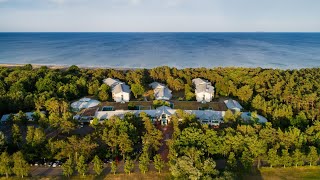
(164, 114)
(84, 103)
(120, 91)
(161, 92)
(233, 105)
(204, 90)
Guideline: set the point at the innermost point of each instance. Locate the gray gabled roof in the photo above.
(164, 110)
(117, 86)
(203, 86)
(198, 81)
(111, 82)
(161, 91)
(154, 85)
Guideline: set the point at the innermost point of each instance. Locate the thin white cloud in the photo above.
(58, 1)
(158, 15)
(135, 2)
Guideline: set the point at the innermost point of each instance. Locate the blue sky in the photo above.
(160, 15)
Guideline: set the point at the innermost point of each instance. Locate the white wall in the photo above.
(118, 97)
(162, 98)
(208, 96)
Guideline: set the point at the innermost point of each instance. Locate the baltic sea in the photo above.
(147, 50)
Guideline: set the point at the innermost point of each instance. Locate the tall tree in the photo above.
(20, 118)
(298, 158)
(273, 157)
(246, 160)
(82, 167)
(137, 89)
(286, 160)
(232, 162)
(245, 93)
(2, 141)
(97, 165)
(144, 163)
(209, 170)
(158, 162)
(229, 117)
(104, 92)
(113, 167)
(258, 148)
(16, 134)
(128, 166)
(74, 147)
(20, 166)
(312, 157)
(189, 95)
(125, 144)
(68, 167)
(30, 135)
(5, 164)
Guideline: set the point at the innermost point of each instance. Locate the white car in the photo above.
(54, 165)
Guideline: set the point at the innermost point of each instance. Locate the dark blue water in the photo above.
(267, 50)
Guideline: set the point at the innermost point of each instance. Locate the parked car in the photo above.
(58, 163)
(54, 165)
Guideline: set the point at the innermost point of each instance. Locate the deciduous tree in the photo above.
(68, 167)
(158, 162)
(137, 89)
(312, 157)
(20, 166)
(113, 167)
(82, 167)
(144, 163)
(97, 165)
(128, 166)
(5, 164)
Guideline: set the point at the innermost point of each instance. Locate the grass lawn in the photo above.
(109, 176)
(305, 172)
(138, 176)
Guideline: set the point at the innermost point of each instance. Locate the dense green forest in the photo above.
(289, 99)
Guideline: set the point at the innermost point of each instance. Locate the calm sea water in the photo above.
(134, 50)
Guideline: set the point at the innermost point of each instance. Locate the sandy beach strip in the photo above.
(63, 67)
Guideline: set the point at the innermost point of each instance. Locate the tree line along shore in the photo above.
(288, 98)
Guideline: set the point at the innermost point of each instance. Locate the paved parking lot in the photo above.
(46, 171)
